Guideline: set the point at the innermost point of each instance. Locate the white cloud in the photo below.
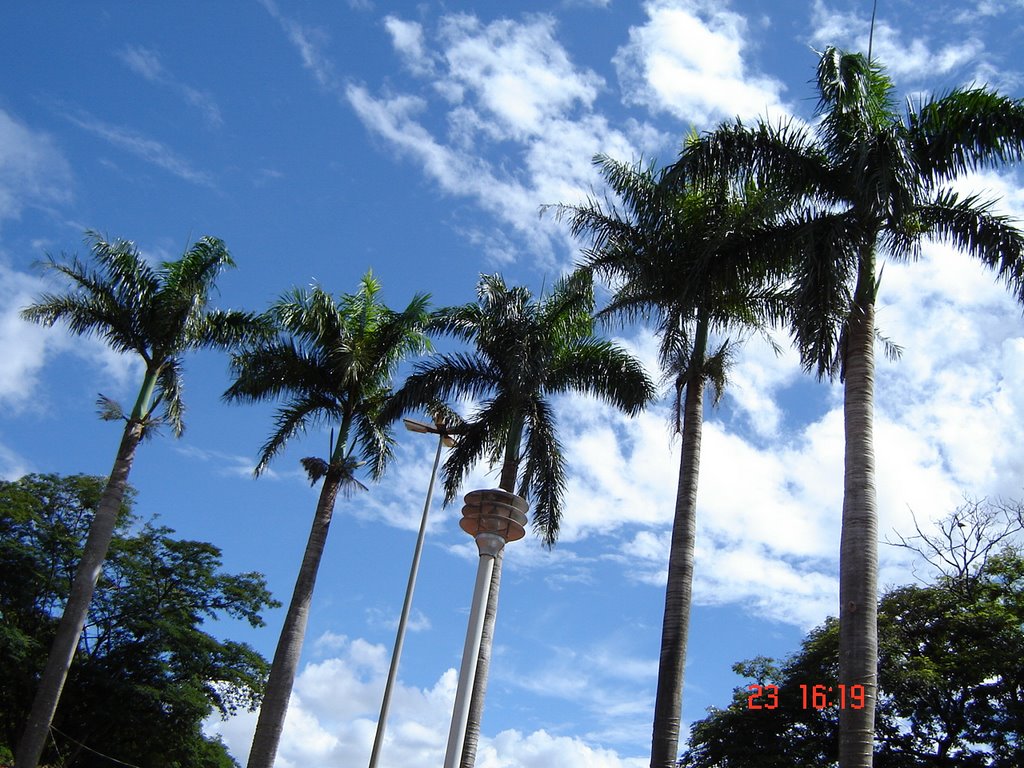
(688, 60)
(32, 169)
(146, 63)
(914, 58)
(517, 76)
(12, 466)
(149, 150)
(407, 37)
(310, 43)
(510, 97)
(757, 377)
(25, 347)
(332, 719)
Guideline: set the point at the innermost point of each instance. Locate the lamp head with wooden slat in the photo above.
(494, 517)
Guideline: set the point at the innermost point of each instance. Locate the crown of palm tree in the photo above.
(332, 363)
(158, 313)
(524, 351)
(685, 254)
(864, 177)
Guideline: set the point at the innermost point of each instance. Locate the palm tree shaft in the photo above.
(332, 362)
(679, 587)
(858, 586)
(283, 669)
(72, 621)
(157, 314)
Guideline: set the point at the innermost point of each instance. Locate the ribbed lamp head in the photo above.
(494, 511)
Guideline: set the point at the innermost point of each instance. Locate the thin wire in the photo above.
(871, 34)
(89, 749)
(55, 747)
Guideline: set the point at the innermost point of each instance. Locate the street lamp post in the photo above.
(444, 439)
(492, 518)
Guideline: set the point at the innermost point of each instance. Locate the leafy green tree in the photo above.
(688, 256)
(332, 364)
(951, 684)
(524, 351)
(869, 180)
(158, 314)
(145, 676)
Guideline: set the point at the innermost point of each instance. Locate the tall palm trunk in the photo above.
(679, 587)
(274, 706)
(858, 554)
(72, 621)
(507, 482)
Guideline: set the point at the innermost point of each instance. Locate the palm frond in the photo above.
(295, 417)
(544, 476)
(375, 440)
(270, 370)
(971, 226)
(155, 313)
(600, 368)
(110, 410)
(333, 363)
(95, 305)
(783, 157)
(169, 388)
(476, 439)
(716, 368)
(444, 378)
(317, 469)
(194, 274)
(231, 329)
(964, 130)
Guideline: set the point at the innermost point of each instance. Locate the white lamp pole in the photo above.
(444, 439)
(493, 518)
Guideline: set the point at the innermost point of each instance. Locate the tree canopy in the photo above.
(146, 673)
(950, 671)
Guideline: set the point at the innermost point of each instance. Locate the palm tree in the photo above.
(334, 366)
(159, 314)
(688, 256)
(525, 350)
(869, 179)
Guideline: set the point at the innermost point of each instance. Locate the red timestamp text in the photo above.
(811, 696)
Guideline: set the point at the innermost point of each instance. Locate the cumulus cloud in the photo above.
(407, 38)
(688, 61)
(332, 720)
(510, 96)
(913, 57)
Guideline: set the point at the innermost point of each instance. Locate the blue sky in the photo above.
(323, 139)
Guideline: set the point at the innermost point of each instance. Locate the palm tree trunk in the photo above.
(858, 553)
(274, 706)
(678, 590)
(509, 472)
(73, 619)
